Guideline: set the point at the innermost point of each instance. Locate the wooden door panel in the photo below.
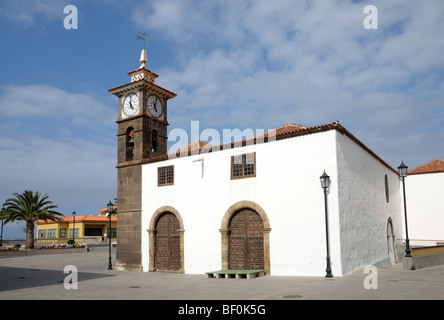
(167, 250)
(246, 247)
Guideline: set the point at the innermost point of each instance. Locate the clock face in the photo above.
(131, 104)
(154, 105)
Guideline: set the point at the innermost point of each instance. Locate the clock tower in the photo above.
(142, 133)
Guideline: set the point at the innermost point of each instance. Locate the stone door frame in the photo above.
(152, 237)
(225, 237)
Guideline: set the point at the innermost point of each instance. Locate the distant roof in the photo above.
(433, 166)
(102, 211)
(80, 218)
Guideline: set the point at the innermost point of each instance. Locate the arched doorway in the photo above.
(245, 232)
(391, 249)
(166, 241)
(167, 256)
(246, 241)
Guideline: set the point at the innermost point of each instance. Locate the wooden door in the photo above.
(167, 251)
(246, 241)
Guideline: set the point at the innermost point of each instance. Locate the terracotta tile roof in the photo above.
(106, 209)
(195, 146)
(433, 166)
(81, 218)
(286, 131)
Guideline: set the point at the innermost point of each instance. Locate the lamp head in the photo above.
(325, 180)
(402, 169)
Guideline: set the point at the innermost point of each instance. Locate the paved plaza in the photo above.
(43, 277)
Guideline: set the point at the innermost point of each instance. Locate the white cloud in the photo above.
(57, 142)
(43, 101)
(26, 12)
(265, 63)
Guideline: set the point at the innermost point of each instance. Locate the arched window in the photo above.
(130, 144)
(387, 196)
(154, 141)
(391, 248)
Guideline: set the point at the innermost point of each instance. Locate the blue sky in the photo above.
(233, 64)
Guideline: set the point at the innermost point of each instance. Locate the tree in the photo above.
(30, 207)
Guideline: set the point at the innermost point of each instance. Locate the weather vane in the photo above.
(143, 36)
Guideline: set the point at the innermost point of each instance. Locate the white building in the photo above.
(254, 205)
(425, 212)
(281, 192)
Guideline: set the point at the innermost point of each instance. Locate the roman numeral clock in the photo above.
(142, 133)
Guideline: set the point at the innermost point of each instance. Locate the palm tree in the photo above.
(30, 207)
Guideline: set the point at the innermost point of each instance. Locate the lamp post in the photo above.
(110, 209)
(325, 182)
(403, 173)
(73, 228)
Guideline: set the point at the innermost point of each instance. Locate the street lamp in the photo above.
(403, 173)
(110, 209)
(74, 228)
(325, 183)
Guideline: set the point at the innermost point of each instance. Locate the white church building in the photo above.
(253, 205)
(261, 206)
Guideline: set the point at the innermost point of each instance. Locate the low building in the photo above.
(88, 229)
(425, 213)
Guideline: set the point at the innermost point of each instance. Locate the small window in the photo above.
(165, 176)
(387, 196)
(130, 144)
(154, 141)
(243, 166)
(52, 233)
(63, 233)
(113, 232)
(42, 234)
(76, 232)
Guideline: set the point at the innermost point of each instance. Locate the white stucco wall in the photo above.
(364, 211)
(286, 186)
(425, 212)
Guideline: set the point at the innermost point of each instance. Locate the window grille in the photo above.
(243, 166)
(165, 176)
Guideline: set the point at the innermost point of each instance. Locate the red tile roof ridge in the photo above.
(79, 218)
(196, 145)
(434, 166)
(278, 132)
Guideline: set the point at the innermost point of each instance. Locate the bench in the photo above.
(238, 274)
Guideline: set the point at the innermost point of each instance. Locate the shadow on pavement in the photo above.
(19, 278)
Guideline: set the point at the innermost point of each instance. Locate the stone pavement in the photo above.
(43, 277)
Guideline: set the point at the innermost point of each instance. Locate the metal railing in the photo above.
(423, 242)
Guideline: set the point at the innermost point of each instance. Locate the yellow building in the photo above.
(89, 229)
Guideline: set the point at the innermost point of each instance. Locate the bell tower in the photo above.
(142, 133)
